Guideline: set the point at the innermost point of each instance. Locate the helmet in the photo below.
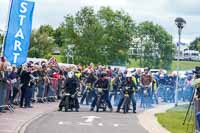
(162, 76)
(128, 75)
(70, 74)
(103, 74)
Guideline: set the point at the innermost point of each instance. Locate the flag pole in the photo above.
(6, 27)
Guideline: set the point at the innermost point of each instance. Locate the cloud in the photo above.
(162, 12)
(184, 7)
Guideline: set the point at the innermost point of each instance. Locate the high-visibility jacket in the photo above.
(134, 80)
(155, 85)
(78, 75)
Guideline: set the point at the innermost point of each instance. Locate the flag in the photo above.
(18, 34)
(180, 43)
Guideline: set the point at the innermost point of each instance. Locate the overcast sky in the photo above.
(161, 12)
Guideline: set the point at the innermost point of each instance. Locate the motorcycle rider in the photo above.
(131, 86)
(71, 85)
(146, 81)
(116, 84)
(103, 83)
(90, 80)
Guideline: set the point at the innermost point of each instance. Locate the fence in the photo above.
(5, 93)
(43, 91)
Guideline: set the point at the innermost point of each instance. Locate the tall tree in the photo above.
(59, 36)
(156, 47)
(101, 37)
(41, 43)
(195, 45)
(47, 29)
(118, 33)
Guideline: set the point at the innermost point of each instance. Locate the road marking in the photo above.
(116, 125)
(8, 131)
(90, 119)
(10, 119)
(60, 123)
(64, 123)
(100, 124)
(85, 124)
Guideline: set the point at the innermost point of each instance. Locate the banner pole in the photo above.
(6, 27)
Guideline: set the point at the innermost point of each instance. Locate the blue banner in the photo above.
(19, 31)
(180, 43)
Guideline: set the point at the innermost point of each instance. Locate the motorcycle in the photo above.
(145, 90)
(101, 103)
(146, 96)
(88, 94)
(71, 101)
(126, 102)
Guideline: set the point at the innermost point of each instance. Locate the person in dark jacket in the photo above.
(103, 83)
(89, 82)
(71, 85)
(117, 84)
(131, 89)
(26, 92)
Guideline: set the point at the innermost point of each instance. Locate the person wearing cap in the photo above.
(132, 88)
(103, 83)
(26, 89)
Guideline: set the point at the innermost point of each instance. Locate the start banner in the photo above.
(18, 34)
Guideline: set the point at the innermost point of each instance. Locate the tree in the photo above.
(47, 29)
(101, 37)
(156, 47)
(118, 33)
(41, 43)
(59, 36)
(195, 45)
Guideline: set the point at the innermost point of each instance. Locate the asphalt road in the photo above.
(86, 122)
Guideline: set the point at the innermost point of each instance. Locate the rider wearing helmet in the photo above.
(103, 83)
(90, 80)
(71, 85)
(132, 88)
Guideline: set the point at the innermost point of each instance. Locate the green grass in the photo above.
(183, 65)
(59, 58)
(172, 120)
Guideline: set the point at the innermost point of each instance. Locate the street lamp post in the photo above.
(180, 22)
(69, 52)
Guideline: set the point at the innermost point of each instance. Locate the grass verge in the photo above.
(183, 65)
(173, 119)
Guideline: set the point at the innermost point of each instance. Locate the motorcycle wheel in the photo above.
(98, 105)
(126, 105)
(66, 104)
(104, 109)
